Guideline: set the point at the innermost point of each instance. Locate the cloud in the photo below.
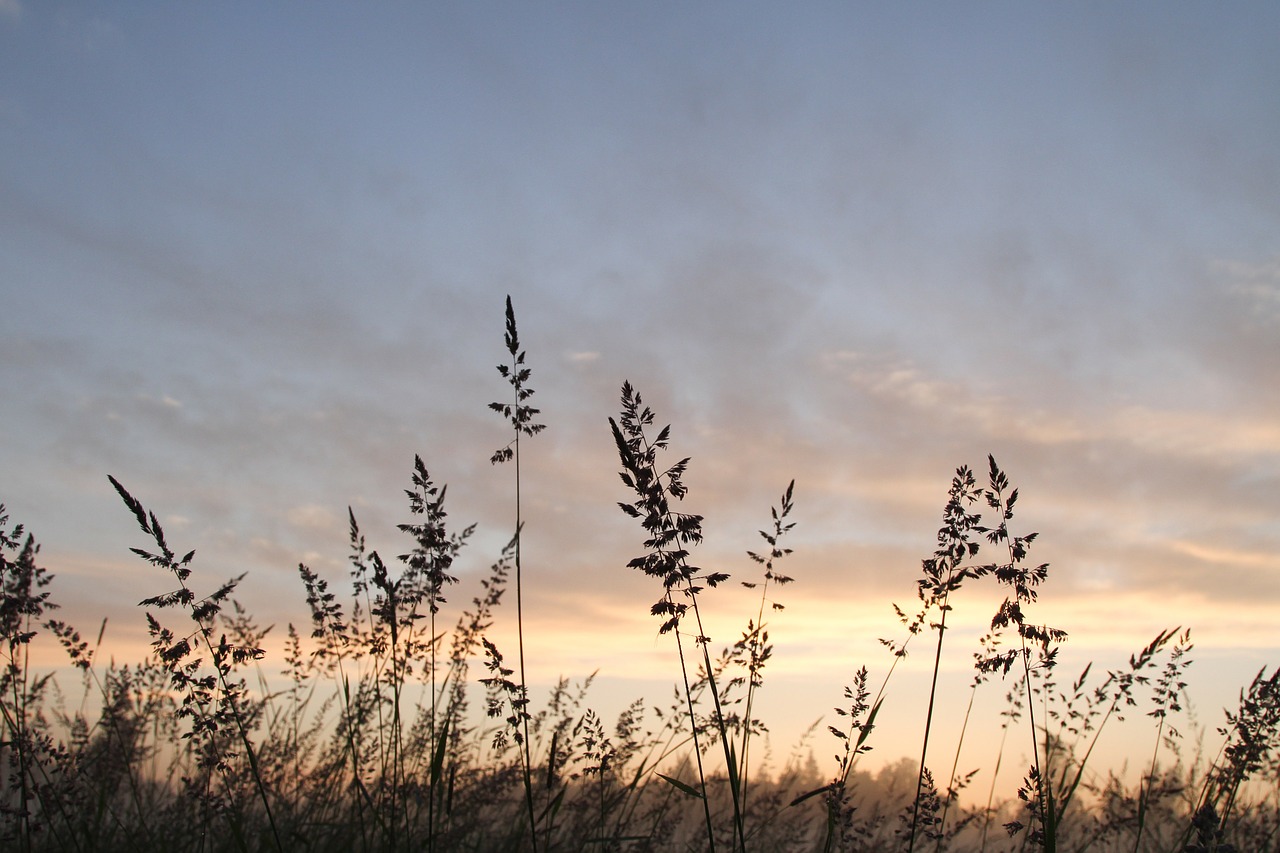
(1227, 556)
(1257, 285)
(312, 517)
(1187, 433)
(11, 9)
(901, 383)
(1195, 434)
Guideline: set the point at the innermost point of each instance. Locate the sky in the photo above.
(255, 259)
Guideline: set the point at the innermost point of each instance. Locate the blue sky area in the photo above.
(254, 259)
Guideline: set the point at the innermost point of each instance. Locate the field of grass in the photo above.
(376, 740)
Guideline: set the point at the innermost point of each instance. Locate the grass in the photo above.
(521, 416)
(367, 734)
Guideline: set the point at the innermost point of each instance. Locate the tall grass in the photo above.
(944, 572)
(670, 535)
(365, 735)
(211, 702)
(753, 651)
(521, 416)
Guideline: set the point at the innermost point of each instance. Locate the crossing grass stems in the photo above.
(363, 736)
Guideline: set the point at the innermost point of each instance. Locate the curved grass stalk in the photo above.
(667, 559)
(224, 656)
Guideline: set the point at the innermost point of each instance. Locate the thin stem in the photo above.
(995, 773)
(955, 764)
(520, 415)
(1144, 789)
(524, 684)
(431, 791)
(1046, 801)
(928, 722)
(702, 640)
(697, 749)
(756, 643)
(720, 724)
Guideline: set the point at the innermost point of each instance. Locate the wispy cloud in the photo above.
(313, 517)
(1193, 433)
(901, 382)
(1187, 432)
(1257, 285)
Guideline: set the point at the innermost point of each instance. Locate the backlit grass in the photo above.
(399, 724)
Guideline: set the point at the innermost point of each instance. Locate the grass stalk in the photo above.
(521, 416)
(223, 656)
(669, 533)
(944, 572)
(756, 639)
(953, 778)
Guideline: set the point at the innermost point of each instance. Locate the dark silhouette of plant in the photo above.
(1166, 700)
(1253, 736)
(521, 416)
(956, 784)
(426, 575)
(754, 650)
(862, 720)
(933, 589)
(1115, 694)
(452, 754)
(944, 572)
(210, 702)
(670, 535)
(25, 600)
(1023, 582)
(1009, 716)
(505, 697)
(925, 818)
(399, 649)
(365, 741)
(1208, 831)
